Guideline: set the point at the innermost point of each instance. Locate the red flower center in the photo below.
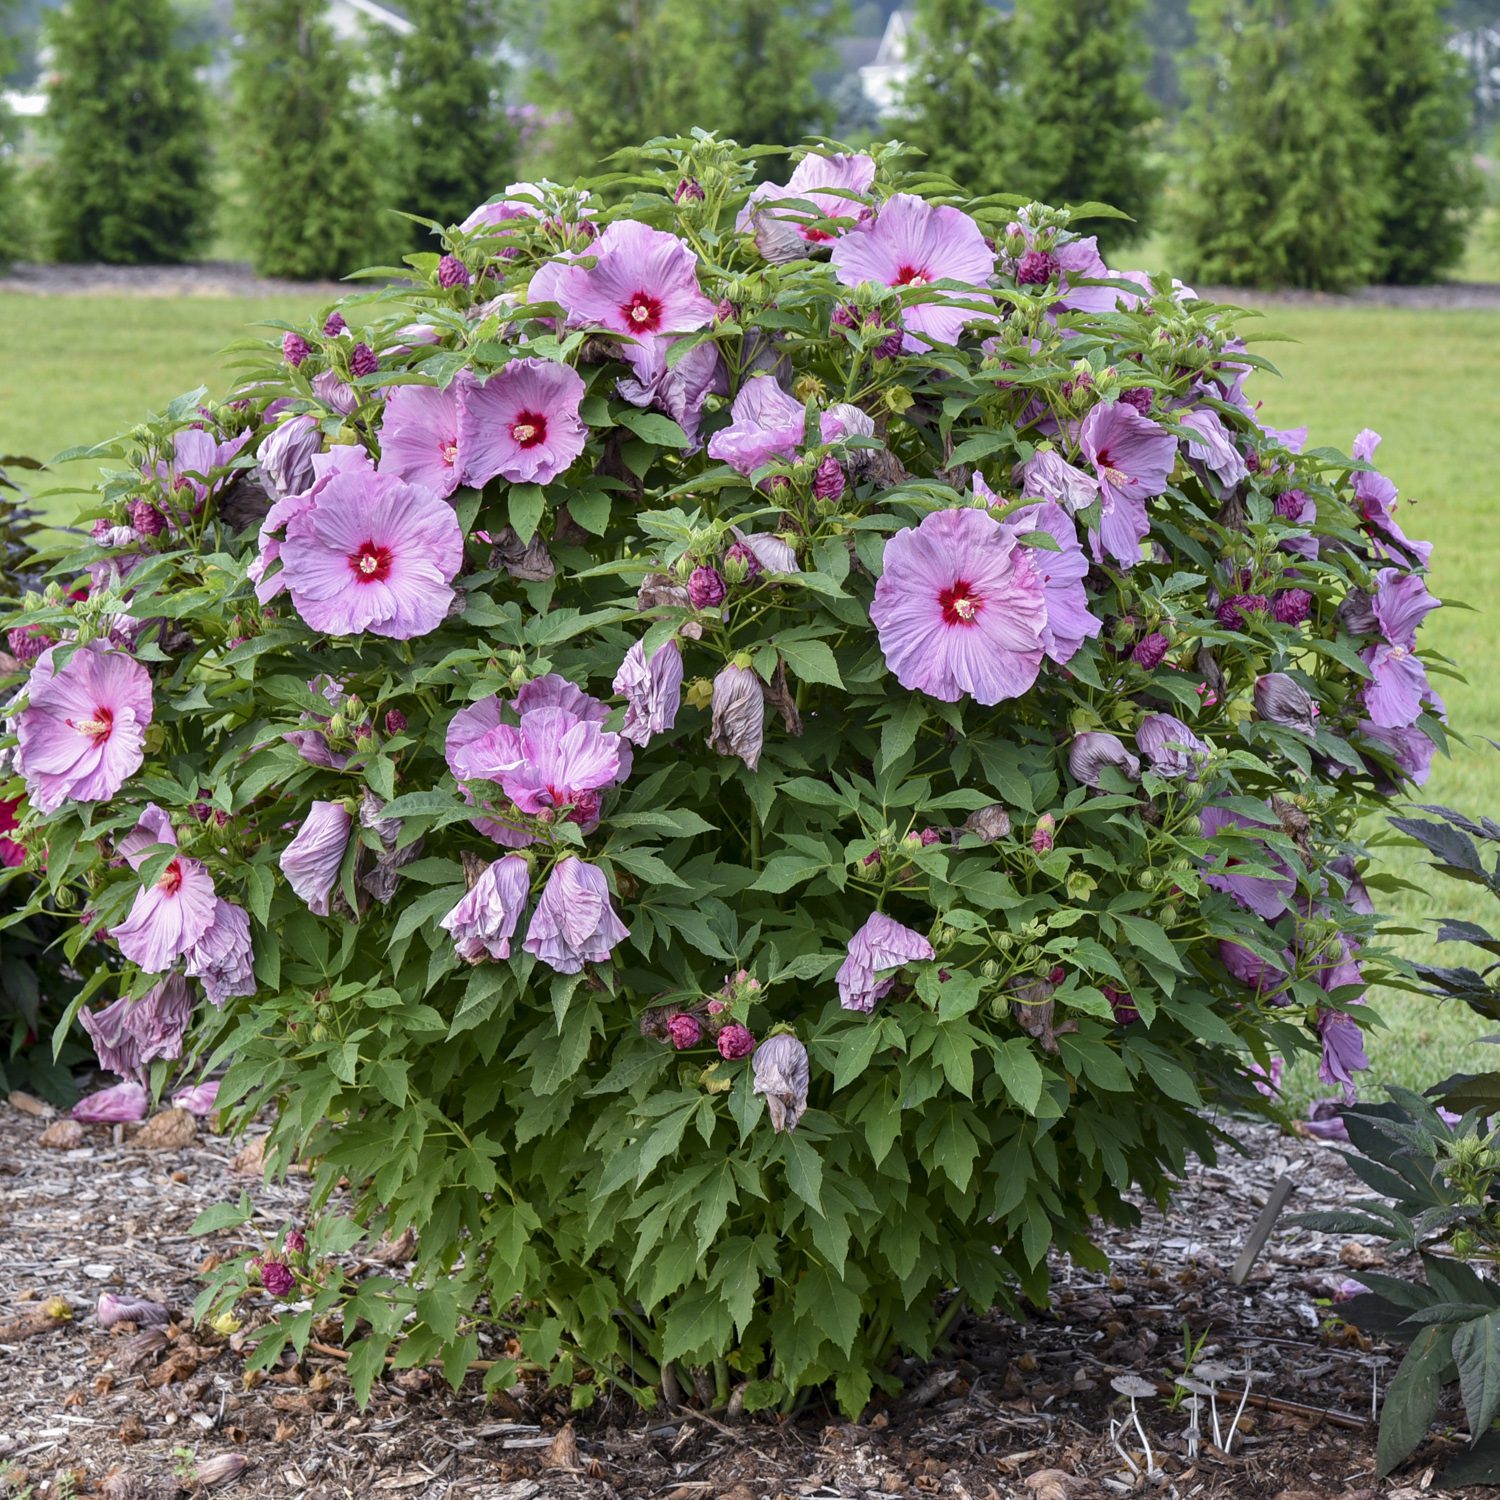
(171, 878)
(449, 452)
(643, 312)
(370, 563)
(816, 236)
(98, 728)
(912, 276)
(529, 429)
(960, 604)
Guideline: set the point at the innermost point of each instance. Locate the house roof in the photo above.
(376, 14)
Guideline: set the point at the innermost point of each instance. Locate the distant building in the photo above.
(884, 79)
(349, 18)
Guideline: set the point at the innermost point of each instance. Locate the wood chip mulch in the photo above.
(1012, 1411)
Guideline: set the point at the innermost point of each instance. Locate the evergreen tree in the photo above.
(304, 149)
(10, 211)
(128, 180)
(741, 67)
(1277, 189)
(455, 146)
(1081, 109)
(1415, 93)
(955, 106)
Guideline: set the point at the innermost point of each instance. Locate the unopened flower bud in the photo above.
(363, 361)
(334, 325)
(829, 481)
(1042, 834)
(395, 721)
(705, 588)
(1150, 650)
(276, 1277)
(452, 272)
(1291, 606)
(689, 190)
(684, 1030)
(294, 348)
(735, 1042)
(146, 519)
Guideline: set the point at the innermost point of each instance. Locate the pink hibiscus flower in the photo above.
(419, 436)
(83, 732)
(961, 609)
(913, 243)
(521, 423)
(1133, 458)
(372, 553)
(784, 227)
(172, 913)
(643, 283)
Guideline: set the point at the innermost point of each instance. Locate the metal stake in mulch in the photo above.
(1262, 1230)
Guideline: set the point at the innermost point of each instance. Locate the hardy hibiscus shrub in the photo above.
(744, 760)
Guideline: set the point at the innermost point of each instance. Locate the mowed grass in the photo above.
(1426, 382)
(80, 369)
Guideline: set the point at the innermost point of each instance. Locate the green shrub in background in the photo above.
(311, 183)
(455, 144)
(1280, 183)
(1080, 110)
(128, 179)
(1414, 91)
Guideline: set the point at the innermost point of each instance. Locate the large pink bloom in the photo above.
(172, 913)
(912, 243)
(521, 423)
(372, 554)
(643, 283)
(767, 424)
(550, 761)
(419, 436)
(784, 228)
(574, 923)
(346, 458)
(83, 732)
(1133, 458)
(961, 609)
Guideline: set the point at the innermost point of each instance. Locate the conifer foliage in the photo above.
(303, 151)
(128, 182)
(1278, 189)
(457, 147)
(1415, 95)
(1081, 110)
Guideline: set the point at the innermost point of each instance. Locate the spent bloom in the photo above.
(879, 947)
(222, 958)
(960, 609)
(1280, 699)
(311, 861)
(83, 732)
(910, 244)
(483, 922)
(372, 553)
(652, 690)
(1343, 1051)
(286, 455)
(574, 923)
(1093, 750)
(132, 1033)
(1170, 747)
(1050, 476)
(781, 1078)
(118, 1105)
(739, 715)
(767, 424)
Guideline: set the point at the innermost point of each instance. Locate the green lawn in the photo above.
(80, 369)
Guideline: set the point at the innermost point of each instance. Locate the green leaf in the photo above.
(783, 871)
(366, 1363)
(223, 1216)
(1476, 1348)
(804, 1169)
(525, 506)
(830, 1304)
(812, 661)
(1020, 1072)
(653, 428)
(1412, 1398)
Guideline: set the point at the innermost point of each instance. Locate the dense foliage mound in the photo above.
(770, 753)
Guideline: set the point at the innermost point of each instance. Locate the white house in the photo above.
(350, 17)
(884, 79)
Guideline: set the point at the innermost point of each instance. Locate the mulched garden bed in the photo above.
(1013, 1410)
